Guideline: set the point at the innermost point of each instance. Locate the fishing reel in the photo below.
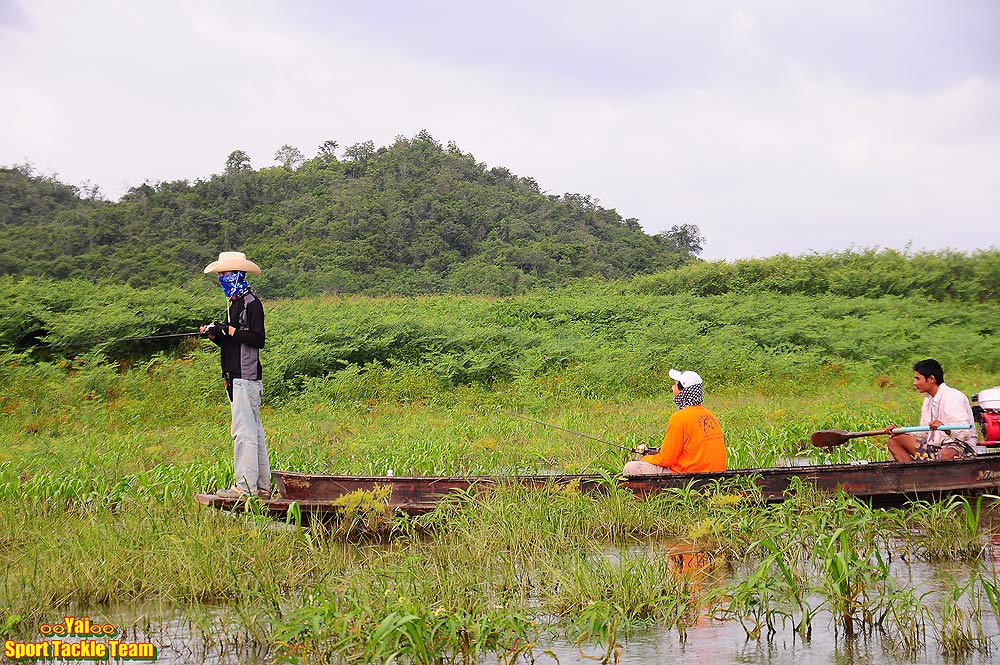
(216, 329)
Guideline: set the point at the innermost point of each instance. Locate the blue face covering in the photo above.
(234, 284)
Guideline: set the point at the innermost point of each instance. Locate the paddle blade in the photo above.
(830, 438)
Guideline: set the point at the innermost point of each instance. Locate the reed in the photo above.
(756, 602)
(904, 619)
(658, 588)
(951, 528)
(961, 630)
(990, 586)
(100, 461)
(597, 625)
(794, 587)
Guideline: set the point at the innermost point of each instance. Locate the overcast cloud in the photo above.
(774, 126)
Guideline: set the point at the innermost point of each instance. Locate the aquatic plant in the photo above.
(990, 586)
(756, 601)
(961, 630)
(104, 452)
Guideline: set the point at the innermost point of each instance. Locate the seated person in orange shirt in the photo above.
(693, 441)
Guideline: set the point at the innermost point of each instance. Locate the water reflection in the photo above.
(212, 635)
(182, 636)
(712, 642)
(212, 639)
(719, 644)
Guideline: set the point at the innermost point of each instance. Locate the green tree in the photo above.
(410, 217)
(238, 162)
(683, 239)
(289, 157)
(360, 152)
(328, 151)
(235, 184)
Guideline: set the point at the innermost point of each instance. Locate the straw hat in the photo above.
(229, 261)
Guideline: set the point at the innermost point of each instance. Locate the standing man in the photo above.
(942, 404)
(241, 338)
(693, 442)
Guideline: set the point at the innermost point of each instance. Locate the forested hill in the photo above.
(412, 217)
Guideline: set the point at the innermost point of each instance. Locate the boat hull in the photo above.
(882, 483)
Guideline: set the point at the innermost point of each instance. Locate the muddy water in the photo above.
(722, 645)
(716, 643)
(203, 635)
(193, 636)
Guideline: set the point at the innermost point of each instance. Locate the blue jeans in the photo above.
(253, 471)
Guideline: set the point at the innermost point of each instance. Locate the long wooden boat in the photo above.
(882, 483)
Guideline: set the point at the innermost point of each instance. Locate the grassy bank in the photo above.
(104, 450)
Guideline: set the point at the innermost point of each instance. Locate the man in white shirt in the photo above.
(942, 404)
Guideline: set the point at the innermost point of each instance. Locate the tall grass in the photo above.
(104, 449)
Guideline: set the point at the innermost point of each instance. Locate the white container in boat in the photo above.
(990, 398)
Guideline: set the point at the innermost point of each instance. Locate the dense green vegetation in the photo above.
(104, 458)
(412, 217)
(599, 338)
(106, 443)
(944, 276)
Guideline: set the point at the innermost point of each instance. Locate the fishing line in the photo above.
(563, 429)
(97, 342)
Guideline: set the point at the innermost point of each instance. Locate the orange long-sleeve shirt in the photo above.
(693, 442)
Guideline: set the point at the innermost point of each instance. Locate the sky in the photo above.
(778, 126)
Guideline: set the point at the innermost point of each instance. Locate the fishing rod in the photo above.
(569, 431)
(97, 342)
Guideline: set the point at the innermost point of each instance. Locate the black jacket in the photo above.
(241, 350)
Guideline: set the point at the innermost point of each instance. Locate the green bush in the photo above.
(599, 338)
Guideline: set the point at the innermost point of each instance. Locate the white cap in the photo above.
(685, 378)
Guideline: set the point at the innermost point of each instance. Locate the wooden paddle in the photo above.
(835, 437)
